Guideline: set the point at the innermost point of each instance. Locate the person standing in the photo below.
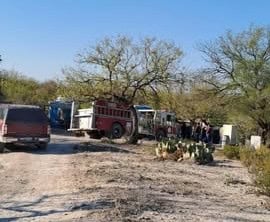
(203, 131)
(197, 132)
(208, 133)
(183, 130)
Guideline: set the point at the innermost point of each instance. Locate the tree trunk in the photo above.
(266, 136)
(133, 139)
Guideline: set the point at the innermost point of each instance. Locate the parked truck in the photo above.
(114, 120)
(59, 113)
(156, 123)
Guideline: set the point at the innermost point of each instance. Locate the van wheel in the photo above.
(117, 131)
(2, 147)
(42, 146)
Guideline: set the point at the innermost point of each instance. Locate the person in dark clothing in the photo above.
(203, 131)
(203, 134)
(208, 134)
(197, 132)
(183, 131)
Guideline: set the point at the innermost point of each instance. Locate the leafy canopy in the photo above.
(239, 67)
(123, 69)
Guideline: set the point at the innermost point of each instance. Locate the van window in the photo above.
(2, 113)
(30, 115)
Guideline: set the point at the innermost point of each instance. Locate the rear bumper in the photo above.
(4, 139)
(81, 129)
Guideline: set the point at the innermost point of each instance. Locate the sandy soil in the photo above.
(122, 183)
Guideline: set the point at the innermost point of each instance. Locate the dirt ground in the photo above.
(122, 183)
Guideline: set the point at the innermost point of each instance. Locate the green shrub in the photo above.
(258, 163)
(247, 156)
(259, 159)
(232, 152)
(263, 176)
(203, 154)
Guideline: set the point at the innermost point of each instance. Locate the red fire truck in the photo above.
(103, 118)
(114, 120)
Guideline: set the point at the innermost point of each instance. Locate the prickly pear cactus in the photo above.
(202, 153)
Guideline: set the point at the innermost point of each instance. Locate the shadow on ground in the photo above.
(125, 204)
(130, 207)
(222, 163)
(53, 148)
(62, 132)
(95, 147)
(62, 148)
(32, 209)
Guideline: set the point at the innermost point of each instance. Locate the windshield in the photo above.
(30, 115)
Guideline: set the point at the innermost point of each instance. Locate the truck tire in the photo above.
(42, 146)
(117, 131)
(2, 147)
(160, 135)
(94, 135)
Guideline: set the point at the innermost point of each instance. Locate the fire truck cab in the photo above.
(157, 123)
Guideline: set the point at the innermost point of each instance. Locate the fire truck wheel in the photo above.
(160, 135)
(94, 135)
(117, 131)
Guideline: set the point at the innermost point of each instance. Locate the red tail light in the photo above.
(49, 130)
(5, 129)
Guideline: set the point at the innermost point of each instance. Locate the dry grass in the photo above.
(258, 163)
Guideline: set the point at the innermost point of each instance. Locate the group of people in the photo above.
(202, 131)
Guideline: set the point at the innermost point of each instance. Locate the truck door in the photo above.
(171, 124)
(146, 122)
(74, 121)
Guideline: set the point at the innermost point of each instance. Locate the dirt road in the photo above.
(119, 183)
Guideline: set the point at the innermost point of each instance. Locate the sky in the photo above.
(39, 38)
